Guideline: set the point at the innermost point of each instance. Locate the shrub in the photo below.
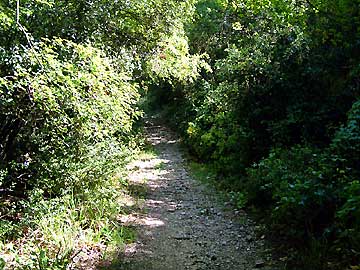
(63, 107)
(310, 196)
(298, 186)
(346, 142)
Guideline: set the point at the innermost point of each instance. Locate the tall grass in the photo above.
(71, 230)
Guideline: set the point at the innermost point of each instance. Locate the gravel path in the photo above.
(182, 225)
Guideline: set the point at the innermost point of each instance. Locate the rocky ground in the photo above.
(182, 224)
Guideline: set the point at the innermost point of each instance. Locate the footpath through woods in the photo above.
(182, 225)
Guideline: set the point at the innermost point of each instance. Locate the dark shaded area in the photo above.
(278, 117)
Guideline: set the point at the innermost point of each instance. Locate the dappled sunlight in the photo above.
(147, 175)
(140, 220)
(154, 203)
(152, 222)
(156, 140)
(128, 201)
(163, 172)
(178, 226)
(131, 249)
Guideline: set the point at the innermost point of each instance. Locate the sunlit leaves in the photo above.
(173, 62)
(76, 99)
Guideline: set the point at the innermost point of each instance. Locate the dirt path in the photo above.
(183, 226)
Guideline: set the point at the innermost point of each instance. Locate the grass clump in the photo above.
(65, 231)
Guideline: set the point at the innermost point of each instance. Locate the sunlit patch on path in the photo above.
(179, 223)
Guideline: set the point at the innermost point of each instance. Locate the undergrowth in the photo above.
(69, 230)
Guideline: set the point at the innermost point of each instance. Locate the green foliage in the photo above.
(41, 261)
(346, 142)
(69, 85)
(298, 186)
(75, 114)
(81, 108)
(310, 196)
(225, 142)
(173, 63)
(59, 229)
(348, 217)
(278, 115)
(239, 199)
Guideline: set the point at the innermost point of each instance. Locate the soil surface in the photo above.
(182, 224)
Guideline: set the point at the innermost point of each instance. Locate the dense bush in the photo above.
(300, 186)
(346, 142)
(67, 113)
(314, 191)
(62, 116)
